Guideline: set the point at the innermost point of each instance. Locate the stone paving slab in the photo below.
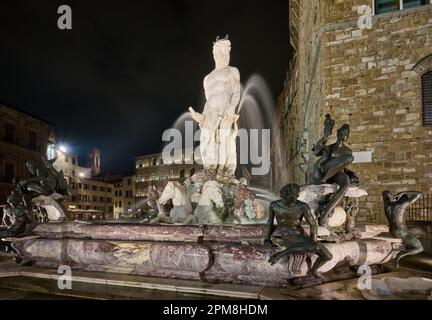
(10, 269)
(340, 290)
(124, 284)
(337, 290)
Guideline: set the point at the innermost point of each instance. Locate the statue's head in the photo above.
(343, 132)
(31, 166)
(221, 52)
(387, 196)
(290, 192)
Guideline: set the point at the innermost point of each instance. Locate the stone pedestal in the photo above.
(227, 254)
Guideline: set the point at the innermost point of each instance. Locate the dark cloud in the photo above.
(128, 69)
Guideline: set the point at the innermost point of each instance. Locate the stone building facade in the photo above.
(151, 170)
(91, 199)
(375, 79)
(22, 137)
(124, 195)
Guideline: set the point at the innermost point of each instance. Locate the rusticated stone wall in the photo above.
(299, 105)
(370, 79)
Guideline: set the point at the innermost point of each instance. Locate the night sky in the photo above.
(128, 69)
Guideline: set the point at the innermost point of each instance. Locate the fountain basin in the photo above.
(227, 254)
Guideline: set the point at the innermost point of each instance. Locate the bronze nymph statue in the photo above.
(395, 207)
(332, 165)
(289, 213)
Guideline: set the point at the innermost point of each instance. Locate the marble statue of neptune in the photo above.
(218, 121)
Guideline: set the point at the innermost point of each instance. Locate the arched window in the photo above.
(182, 173)
(154, 161)
(192, 172)
(427, 98)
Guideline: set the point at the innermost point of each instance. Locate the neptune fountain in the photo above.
(218, 231)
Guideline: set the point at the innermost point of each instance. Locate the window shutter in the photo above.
(427, 98)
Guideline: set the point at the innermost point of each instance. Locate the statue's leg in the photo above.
(161, 218)
(33, 191)
(190, 220)
(17, 228)
(289, 251)
(414, 246)
(342, 180)
(324, 255)
(208, 142)
(32, 222)
(336, 165)
(317, 175)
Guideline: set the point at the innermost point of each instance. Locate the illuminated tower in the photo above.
(95, 161)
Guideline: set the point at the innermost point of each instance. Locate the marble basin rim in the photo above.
(207, 253)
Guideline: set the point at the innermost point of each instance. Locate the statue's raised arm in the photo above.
(318, 148)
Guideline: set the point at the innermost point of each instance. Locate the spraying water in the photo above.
(256, 107)
(257, 111)
(180, 122)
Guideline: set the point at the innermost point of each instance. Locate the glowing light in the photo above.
(63, 148)
(81, 174)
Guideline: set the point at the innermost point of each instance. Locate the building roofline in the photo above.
(7, 105)
(147, 156)
(159, 154)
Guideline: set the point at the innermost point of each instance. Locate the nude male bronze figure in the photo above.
(394, 209)
(289, 213)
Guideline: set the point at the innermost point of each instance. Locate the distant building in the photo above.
(22, 137)
(124, 195)
(95, 162)
(151, 170)
(91, 198)
(68, 163)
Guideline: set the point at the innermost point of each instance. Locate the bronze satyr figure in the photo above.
(20, 212)
(332, 166)
(289, 214)
(394, 208)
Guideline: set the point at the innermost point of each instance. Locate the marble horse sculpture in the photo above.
(395, 207)
(34, 200)
(289, 213)
(210, 208)
(331, 167)
(182, 208)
